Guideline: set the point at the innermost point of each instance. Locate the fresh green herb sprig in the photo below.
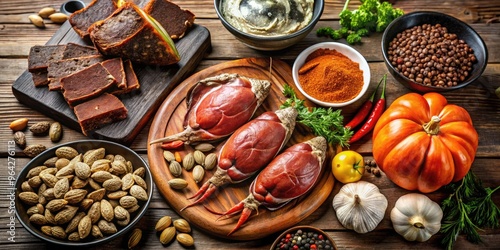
(322, 121)
(371, 16)
(468, 209)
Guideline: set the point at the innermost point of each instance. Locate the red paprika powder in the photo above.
(330, 76)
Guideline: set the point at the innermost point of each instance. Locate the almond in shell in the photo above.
(84, 227)
(82, 170)
(35, 171)
(127, 181)
(140, 172)
(96, 232)
(61, 188)
(101, 176)
(58, 232)
(55, 132)
(175, 168)
(163, 223)
(121, 213)
(40, 128)
(135, 238)
(34, 150)
(138, 192)
(97, 195)
(46, 12)
(66, 152)
(178, 183)
(73, 224)
(167, 235)
(199, 157)
(112, 184)
(188, 161)
(74, 196)
(107, 211)
(185, 239)
(107, 227)
(128, 201)
(93, 155)
(95, 212)
(29, 198)
(49, 216)
(74, 237)
(20, 139)
(38, 219)
(117, 195)
(182, 226)
(65, 215)
(56, 205)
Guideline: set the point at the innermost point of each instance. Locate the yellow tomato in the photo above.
(348, 166)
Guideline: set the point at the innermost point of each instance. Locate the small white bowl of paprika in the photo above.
(331, 74)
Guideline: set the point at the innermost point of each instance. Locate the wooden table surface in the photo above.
(17, 35)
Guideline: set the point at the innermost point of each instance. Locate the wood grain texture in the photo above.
(169, 120)
(156, 83)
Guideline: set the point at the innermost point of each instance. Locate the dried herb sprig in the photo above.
(468, 209)
(322, 121)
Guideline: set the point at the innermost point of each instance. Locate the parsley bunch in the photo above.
(468, 209)
(323, 122)
(370, 16)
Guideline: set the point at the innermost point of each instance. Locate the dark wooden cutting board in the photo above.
(156, 83)
(169, 119)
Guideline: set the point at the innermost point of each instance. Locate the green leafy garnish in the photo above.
(468, 209)
(370, 16)
(322, 121)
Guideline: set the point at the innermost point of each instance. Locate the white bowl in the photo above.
(348, 51)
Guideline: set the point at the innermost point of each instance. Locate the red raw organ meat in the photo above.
(219, 105)
(250, 149)
(289, 176)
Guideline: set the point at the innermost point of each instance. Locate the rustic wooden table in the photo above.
(17, 35)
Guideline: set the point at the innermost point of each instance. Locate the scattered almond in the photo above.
(19, 124)
(40, 128)
(46, 12)
(58, 17)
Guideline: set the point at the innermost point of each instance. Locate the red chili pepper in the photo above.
(364, 110)
(172, 145)
(373, 118)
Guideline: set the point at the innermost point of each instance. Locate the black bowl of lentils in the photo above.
(433, 52)
(303, 237)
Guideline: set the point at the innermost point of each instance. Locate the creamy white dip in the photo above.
(268, 17)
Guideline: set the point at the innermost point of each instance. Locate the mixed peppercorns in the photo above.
(303, 239)
(429, 55)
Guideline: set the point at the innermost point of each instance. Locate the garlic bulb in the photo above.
(416, 217)
(360, 206)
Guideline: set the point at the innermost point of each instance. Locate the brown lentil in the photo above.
(429, 55)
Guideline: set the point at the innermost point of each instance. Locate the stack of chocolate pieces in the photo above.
(88, 81)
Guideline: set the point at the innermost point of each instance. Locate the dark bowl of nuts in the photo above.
(433, 52)
(83, 193)
(303, 237)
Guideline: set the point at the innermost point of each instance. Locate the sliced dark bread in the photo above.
(171, 16)
(97, 10)
(74, 50)
(62, 68)
(115, 67)
(100, 111)
(40, 78)
(132, 81)
(86, 84)
(40, 56)
(131, 33)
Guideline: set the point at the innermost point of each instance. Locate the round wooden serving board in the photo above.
(168, 120)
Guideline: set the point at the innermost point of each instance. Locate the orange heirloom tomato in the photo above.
(348, 166)
(423, 143)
